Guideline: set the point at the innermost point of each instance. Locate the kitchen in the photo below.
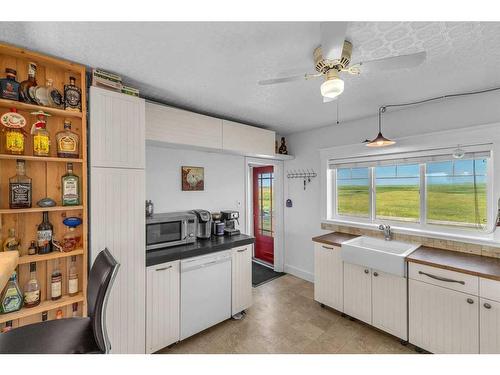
(302, 219)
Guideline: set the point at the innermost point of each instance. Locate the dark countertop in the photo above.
(200, 247)
(471, 264)
(334, 238)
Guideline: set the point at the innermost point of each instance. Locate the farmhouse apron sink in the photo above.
(382, 255)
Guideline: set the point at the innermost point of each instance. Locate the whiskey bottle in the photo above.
(41, 137)
(9, 87)
(67, 142)
(75, 309)
(11, 299)
(56, 282)
(32, 249)
(20, 188)
(24, 89)
(70, 187)
(32, 295)
(45, 316)
(11, 243)
(72, 96)
(73, 278)
(14, 136)
(54, 96)
(44, 235)
(59, 314)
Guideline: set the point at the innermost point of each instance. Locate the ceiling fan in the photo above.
(333, 57)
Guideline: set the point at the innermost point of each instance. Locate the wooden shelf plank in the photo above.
(33, 107)
(43, 306)
(44, 257)
(38, 209)
(40, 158)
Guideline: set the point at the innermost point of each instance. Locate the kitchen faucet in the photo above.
(387, 231)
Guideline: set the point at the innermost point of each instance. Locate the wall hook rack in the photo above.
(305, 175)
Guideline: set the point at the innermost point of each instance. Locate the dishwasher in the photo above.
(205, 292)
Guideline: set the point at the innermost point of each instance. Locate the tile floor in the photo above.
(285, 319)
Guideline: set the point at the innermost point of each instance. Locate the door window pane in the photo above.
(398, 192)
(353, 192)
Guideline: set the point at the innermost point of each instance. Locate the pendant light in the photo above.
(380, 140)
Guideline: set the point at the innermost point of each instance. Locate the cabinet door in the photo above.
(117, 127)
(441, 320)
(241, 271)
(162, 306)
(389, 303)
(489, 332)
(328, 276)
(118, 223)
(358, 292)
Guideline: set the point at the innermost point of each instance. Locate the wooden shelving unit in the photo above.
(45, 173)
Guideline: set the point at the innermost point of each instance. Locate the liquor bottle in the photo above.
(32, 289)
(9, 87)
(70, 187)
(41, 93)
(12, 299)
(7, 327)
(41, 137)
(32, 249)
(54, 96)
(74, 306)
(73, 278)
(44, 235)
(56, 282)
(67, 142)
(72, 96)
(45, 316)
(59, 314)
(20, 188)
(24, 89)
(14, 136)
(11, 243)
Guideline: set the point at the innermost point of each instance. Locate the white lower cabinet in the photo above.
(442, 320)
(328, 276)
(489, 330)
(163, 305)
(389, 307)
(358, 292)
(241, 275)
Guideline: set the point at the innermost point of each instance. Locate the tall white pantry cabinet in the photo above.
(117, 221)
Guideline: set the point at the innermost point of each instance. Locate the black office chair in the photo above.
(71, 335)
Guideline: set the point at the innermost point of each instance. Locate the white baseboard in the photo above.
(305, 275)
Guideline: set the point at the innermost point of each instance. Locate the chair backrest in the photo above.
(102, 275)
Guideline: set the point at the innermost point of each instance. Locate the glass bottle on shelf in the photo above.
(32, 249)
(7, 327)
(73, 278)
(70, 187)
(30, 83)
(41, 93)
(14, 135)
(20, 188)
(54, 96)
(9, 87)
(32, 295)
(11, 243)
(56, 282)
(67, 142)
(41, 137)
(75, 309)
(11, 299)
(45, 316)
(44, 235)
(59, 314)
(72, 96)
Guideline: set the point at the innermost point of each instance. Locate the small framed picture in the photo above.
(193, 178)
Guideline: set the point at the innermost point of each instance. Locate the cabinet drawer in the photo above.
(489, 289)
(445, 278)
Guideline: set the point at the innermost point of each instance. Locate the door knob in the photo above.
(470, 301)
(367, 271)
(487, 306)
(375, 274)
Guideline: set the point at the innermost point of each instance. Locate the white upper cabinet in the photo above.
(116, 129)
(176, 126)
(248, 140)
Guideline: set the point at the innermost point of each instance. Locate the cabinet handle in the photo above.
(326, 247)
(367, 271)
(163, 269)
(441, 278)
(241, 250)
(375, 274)
(487, 306)
(470, 301)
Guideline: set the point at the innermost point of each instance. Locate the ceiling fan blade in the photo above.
(328, 100)
(395, 62)
(298, 77)
(332, 39)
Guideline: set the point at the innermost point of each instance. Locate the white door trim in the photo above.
(279, 243)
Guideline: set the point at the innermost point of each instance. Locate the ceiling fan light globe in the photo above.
(332, 88)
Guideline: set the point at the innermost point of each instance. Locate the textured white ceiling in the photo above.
(214, 67)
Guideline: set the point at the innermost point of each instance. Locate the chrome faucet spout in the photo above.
(387, 231)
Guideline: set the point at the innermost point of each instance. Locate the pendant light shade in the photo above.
(380, 140)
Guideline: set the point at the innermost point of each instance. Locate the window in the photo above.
(353, 186)
(421, 190)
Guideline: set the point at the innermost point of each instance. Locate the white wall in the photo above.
(302, 221)
(224, 181)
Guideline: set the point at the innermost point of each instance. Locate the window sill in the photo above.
(486, 239)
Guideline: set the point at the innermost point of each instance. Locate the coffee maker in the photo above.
(230, 218)
(204, 226)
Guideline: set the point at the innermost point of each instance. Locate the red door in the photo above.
(263, 213)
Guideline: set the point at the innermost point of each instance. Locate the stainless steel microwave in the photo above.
(170, 229)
